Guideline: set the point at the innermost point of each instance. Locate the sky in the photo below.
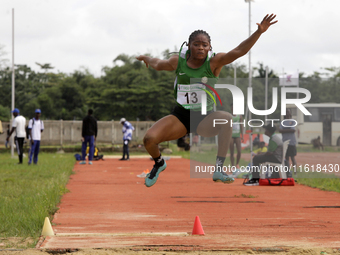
(89, 34)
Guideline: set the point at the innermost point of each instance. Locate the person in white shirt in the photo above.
(127, 136)
(18, 125)
(35, 127)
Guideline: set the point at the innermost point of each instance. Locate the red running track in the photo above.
(108, 206)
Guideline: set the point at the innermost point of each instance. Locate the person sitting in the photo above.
(261, 150)
(96, 156)
(274, 155)
(317, 143)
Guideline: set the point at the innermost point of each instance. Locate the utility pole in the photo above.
(13, 81)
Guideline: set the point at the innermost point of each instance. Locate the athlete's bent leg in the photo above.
(166, 129)
(206, 128)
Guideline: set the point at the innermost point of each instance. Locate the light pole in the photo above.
(13, 81)
(249, 53)
(250, 76)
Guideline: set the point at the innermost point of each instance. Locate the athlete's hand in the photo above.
(266, 23)
(142, 58)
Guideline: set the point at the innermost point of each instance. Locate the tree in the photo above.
(45, 67)
(131, 90)
(3, 60)
(44, 76)
(5, 113)
(262, 72)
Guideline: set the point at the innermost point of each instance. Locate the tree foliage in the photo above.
(129, 89)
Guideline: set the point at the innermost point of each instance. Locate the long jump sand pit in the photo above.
(108, 206)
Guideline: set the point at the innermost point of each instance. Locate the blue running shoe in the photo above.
(82, 163)
(220, 177)
(152, 177)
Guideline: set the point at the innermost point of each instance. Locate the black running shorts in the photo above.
(190, 119)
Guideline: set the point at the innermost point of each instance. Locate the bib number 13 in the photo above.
(193, 97)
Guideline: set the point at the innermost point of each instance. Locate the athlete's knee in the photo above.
(222, 115)
(146, 140)
(149, 139)
(225, 115)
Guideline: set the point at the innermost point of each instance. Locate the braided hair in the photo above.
(194, 34)
(192, 37)
(198, 32)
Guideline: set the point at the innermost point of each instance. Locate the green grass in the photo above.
(175, 152)
(29, 193)
(326, 182)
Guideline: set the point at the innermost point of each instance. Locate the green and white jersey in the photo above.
(188, 86)
(236, 127)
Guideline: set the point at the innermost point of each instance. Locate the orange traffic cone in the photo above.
(198, 229)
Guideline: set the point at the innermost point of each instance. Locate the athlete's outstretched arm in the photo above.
(160, 64)
(222, 59)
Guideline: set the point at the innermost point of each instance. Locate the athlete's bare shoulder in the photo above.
(173, 61)
(216, 63)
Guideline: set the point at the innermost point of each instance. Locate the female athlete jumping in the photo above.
(195, 61)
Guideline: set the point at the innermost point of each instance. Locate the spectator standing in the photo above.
(8, 132)
(127, 136)
(18, 125)
(35, 128)
(236, 139)
(195, 140)
(89, 135)
(288, 133)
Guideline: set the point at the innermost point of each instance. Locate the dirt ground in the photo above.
(110, 211)
(293, 251)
